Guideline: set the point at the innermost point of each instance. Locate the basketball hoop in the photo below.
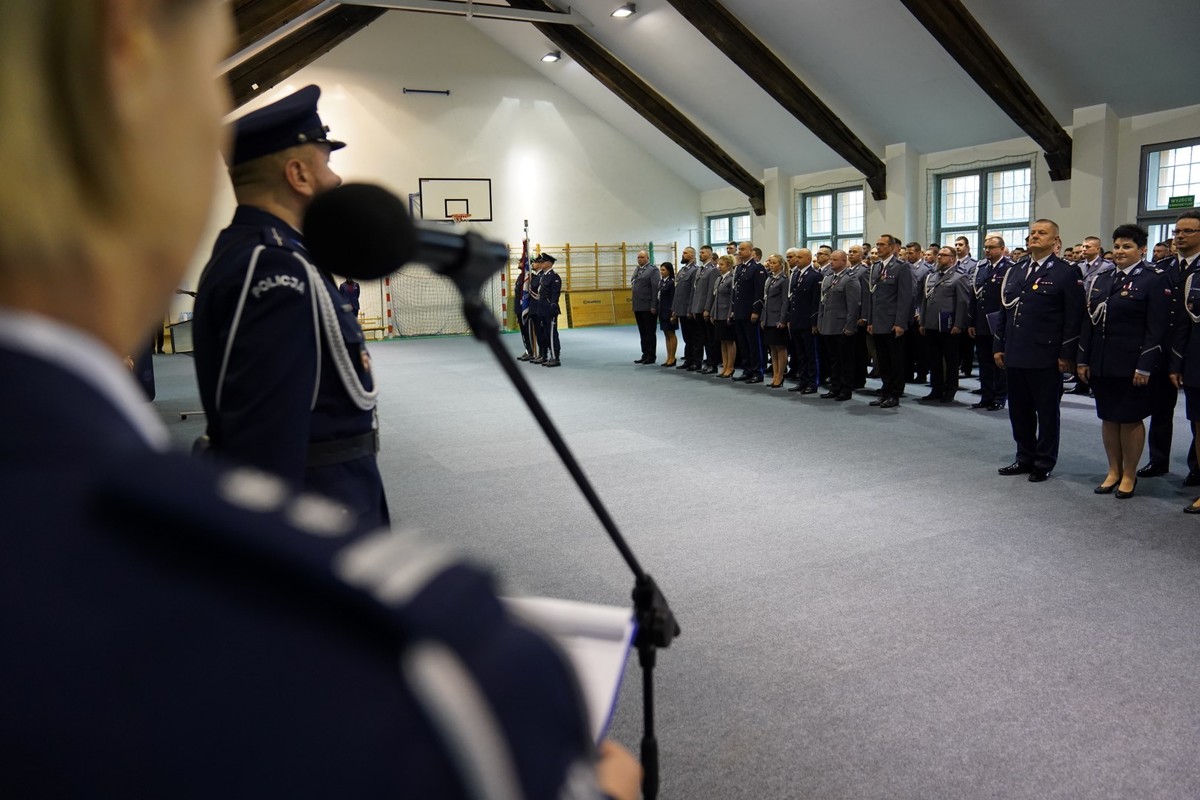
(459, 218)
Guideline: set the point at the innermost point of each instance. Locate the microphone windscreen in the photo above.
(360, 231)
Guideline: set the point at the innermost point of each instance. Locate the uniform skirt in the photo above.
(775, 337)
(1118, 400)
(725, 332)
(667, 325)
(1191, 396)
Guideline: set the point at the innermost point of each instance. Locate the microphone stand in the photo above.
(479, 260)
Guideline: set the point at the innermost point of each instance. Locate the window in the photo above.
(982, 202)
(1170, 170)
(728, 228)
(833, 218)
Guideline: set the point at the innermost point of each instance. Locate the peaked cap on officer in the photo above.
(287, 122)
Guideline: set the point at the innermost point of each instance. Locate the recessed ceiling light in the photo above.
(626, 10)
(552, 56)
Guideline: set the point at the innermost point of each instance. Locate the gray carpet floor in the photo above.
(868, 609)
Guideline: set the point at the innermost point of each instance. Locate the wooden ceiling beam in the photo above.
(297, 50)
(653, 107)
(733, 38)
(256, 19)
(969, 44)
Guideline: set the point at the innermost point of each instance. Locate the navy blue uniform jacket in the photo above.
(985, 294)
(749, 281)
(804, 298)
(1044, 311)
(276, 389)
(1126, 322)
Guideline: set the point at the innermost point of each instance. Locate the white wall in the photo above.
(551, 160)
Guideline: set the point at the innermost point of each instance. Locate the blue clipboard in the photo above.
(993, 320)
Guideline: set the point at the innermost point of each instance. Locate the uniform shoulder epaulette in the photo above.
(272, 236)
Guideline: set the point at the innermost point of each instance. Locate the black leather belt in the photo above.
(337, 451)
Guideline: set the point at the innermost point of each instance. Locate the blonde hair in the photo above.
(61, 158)
(727, 260)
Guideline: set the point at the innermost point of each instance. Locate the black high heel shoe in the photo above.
(1126, 495)
(1102, 489)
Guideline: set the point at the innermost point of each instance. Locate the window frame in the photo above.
(836, 235)
(729, 217)
(1157, 219)
(984, 226)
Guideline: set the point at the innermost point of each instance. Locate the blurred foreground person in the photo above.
(171, 629)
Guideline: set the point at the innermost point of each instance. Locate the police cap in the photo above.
(545, 258)
(285, 123)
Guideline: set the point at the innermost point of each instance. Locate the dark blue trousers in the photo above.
(1033, 411)
(749, 342)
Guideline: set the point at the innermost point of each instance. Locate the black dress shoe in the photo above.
(948, 397)
(890, 402)
(828, 395)
(682, 365)
(754, 379)
(1015, 468)
(1151, 470)
(773, 385)
(933, 396)
(981, 405)
(693, 368)
(877, 402)
(709, 371)
(1191, 509)
(813, 390)
(841, 398)
(996, 407)
(1102, 489)
(797, 388)
(977, 391)
(1126, 495)
(526, 357)
(667, 364)
(1192, 479)
(640, 361)
(742, 377)
(1037, 475)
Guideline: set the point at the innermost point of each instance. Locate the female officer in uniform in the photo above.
(774, 318)
(1121, 343)
(719, 310)
(666, 317)
(172, 629)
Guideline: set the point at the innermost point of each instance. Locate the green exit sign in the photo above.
(1183, 201)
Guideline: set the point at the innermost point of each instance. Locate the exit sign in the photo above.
(1182, 201)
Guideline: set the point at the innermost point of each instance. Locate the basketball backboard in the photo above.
(442, 198)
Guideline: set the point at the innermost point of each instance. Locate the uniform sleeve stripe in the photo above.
(394, 567)
(463, 719)
(237, 318)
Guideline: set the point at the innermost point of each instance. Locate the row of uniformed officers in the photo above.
(1124, 326)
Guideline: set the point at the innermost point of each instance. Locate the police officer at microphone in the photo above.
(283, 371)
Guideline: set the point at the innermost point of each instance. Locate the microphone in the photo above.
(363, 231)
